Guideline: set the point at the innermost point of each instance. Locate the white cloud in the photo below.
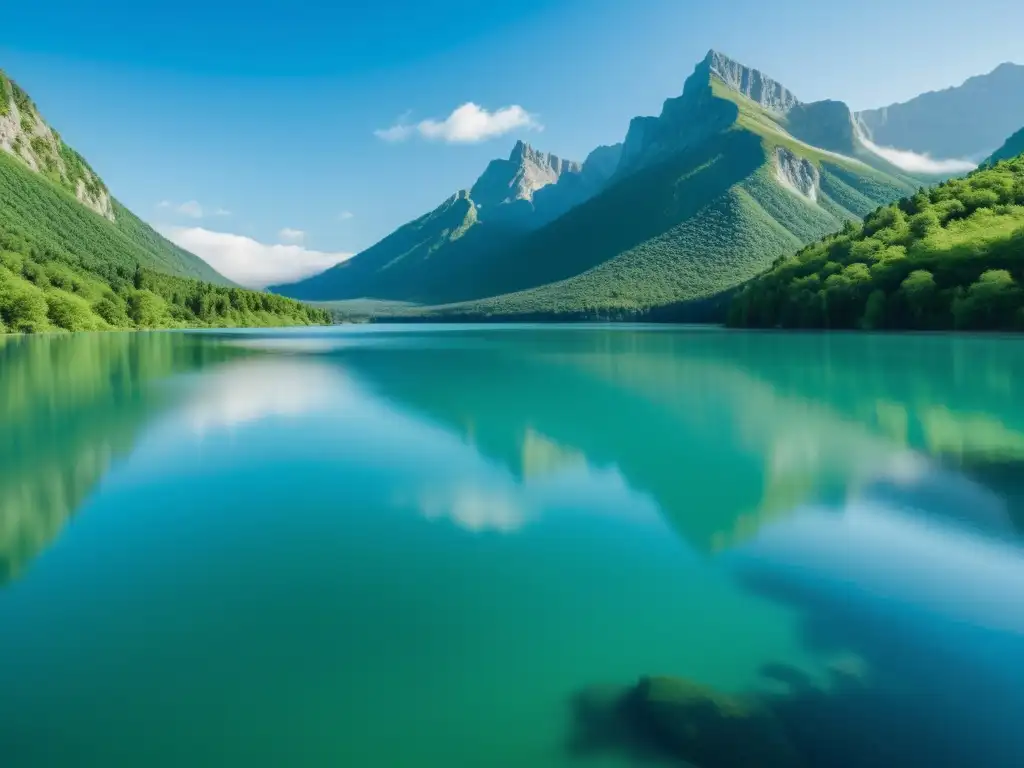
(345, 215)
(915, 162)
(251, 263)
(192, 209)
(467, 124)
(294, 235)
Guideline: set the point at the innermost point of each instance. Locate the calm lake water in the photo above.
(379, 546)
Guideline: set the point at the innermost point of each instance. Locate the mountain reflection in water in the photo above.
(867, 490)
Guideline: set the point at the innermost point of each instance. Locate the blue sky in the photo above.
(264, 113)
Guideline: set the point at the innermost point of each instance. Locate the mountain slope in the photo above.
(705, 196)
(510, 198)
(1012, 147)
(26, 137)
(73, 258)
(966, 121)
(952, 257)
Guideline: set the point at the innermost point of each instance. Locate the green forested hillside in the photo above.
(949, 257)
(33, 206)
(65, 266)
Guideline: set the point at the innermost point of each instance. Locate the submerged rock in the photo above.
(713, 729)
(677, 719)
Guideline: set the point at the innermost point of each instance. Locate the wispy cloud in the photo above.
(396, 132)
(345, 215)
(915, 162)
(192, 209)
(249, 262)
(467, 124)
(292, 235)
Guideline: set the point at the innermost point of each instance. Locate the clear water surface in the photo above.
(414, 546)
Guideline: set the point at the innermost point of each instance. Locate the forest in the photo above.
(51, 295)
(65, 267)
(949, 257)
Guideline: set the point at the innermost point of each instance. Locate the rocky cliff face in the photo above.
(24, 134)
(797, 174)
(526, 170)
(694, 116)
(756, 86)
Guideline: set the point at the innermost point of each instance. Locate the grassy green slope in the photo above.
(952, 257)
(65, 267)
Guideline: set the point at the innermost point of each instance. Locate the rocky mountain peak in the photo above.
(518, 178)
(752, 83)
(24, 134)
(524, 154)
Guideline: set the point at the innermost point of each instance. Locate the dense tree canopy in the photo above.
(948, 257)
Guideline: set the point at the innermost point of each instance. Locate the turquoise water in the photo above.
(379, 546)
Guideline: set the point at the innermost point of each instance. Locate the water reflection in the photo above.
(249, 390)
(603, 503)
(804, 418)
(69, 407)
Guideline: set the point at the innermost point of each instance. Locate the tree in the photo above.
(991, 303)
(919, 291)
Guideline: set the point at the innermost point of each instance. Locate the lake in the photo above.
(427, 545)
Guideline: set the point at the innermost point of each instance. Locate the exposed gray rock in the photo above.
(24, 134)
(797, 174)
(756, 86)
(692, 117)
(524, 172)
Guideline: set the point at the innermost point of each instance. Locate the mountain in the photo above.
(702, 197)
(512, 196)
(967, 121)
(951, 257)
(73, 258)
(1012, 147)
